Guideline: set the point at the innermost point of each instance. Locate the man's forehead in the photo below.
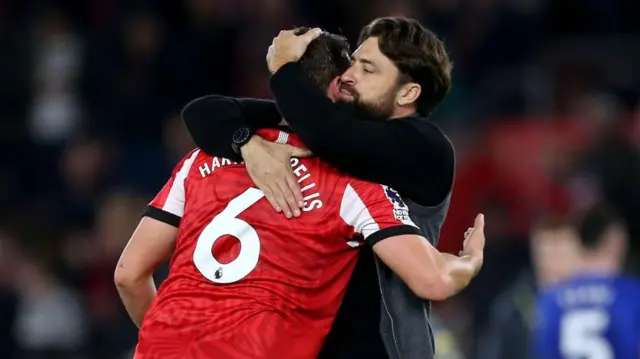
(369, 53)
(368, 47)
(363, 59)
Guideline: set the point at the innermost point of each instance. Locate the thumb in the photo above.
(478, 224)
(311, 35)
(299, 152)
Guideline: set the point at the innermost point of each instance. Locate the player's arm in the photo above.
(152, 243)
(378, 214)
(420, 164)
(429, 273)
(212, 121)
(149, 246)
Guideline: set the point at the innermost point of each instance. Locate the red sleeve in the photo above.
(168, 205)
(375, 211)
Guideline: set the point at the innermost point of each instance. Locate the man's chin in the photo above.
(346, 97)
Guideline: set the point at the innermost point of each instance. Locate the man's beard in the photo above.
(380, 111)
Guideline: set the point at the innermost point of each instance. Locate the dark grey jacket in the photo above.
(404, 319)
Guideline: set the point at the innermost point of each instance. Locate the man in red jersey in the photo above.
(274, 291)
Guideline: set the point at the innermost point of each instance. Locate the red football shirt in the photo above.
(246, 282)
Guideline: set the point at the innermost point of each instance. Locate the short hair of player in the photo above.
(594, 223)
(419, 55)
(326, 58)
(551, 223)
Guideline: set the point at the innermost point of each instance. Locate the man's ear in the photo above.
(333, 91)
(408, 94)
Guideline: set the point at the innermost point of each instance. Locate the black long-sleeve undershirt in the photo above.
(212, 120)
(410, 154)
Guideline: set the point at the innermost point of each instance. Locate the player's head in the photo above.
(399, 68)
(603, 237)
(326, 58)
(555, 250)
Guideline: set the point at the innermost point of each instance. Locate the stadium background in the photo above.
(544, 114)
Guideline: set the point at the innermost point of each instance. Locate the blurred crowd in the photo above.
(544, 114)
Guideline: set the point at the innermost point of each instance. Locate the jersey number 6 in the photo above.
(226, 223)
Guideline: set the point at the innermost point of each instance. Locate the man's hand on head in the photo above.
(289, 47)
(269, 166)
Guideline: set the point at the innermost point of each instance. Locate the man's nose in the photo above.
(348, 78)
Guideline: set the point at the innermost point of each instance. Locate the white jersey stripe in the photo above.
(175, 199)
(355, 213)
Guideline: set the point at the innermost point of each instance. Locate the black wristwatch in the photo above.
(241, 137)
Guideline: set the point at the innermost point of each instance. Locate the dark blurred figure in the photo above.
(116, 219)
(555, 256)
(199, 55)
(121, 79)
(609, 169)
(79, 181)
(8, 297)
(50, 321)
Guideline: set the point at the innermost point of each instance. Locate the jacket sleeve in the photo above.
(417, 161)
(212, 120)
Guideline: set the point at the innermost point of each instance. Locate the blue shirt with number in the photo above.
(589, 317)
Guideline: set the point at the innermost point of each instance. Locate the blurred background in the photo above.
(544, 114)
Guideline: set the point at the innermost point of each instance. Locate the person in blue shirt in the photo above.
(595, 314)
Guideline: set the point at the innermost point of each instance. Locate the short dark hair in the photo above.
(593, 223)
(326, 57)
(551, 223)
(419, 55)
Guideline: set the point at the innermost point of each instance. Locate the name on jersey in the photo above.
(309, 191)
(217, 162)
(593, 294)
(311, 196)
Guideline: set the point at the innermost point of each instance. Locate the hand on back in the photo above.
(269, 166)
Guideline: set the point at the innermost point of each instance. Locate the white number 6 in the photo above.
(226, 223)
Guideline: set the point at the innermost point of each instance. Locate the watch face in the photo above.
(241, 135)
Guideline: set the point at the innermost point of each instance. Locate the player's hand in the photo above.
(474, 241)
(289, 47)
(269, 166)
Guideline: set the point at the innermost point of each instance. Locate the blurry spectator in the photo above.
(265, 19)
(50, 322)
(55, 109)
(83, 166)
(122, 78)
(199, 57)
(117, 218)
(555, 256)
(609, 169)
(565, 313)
(176, 138)
(8, 297)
